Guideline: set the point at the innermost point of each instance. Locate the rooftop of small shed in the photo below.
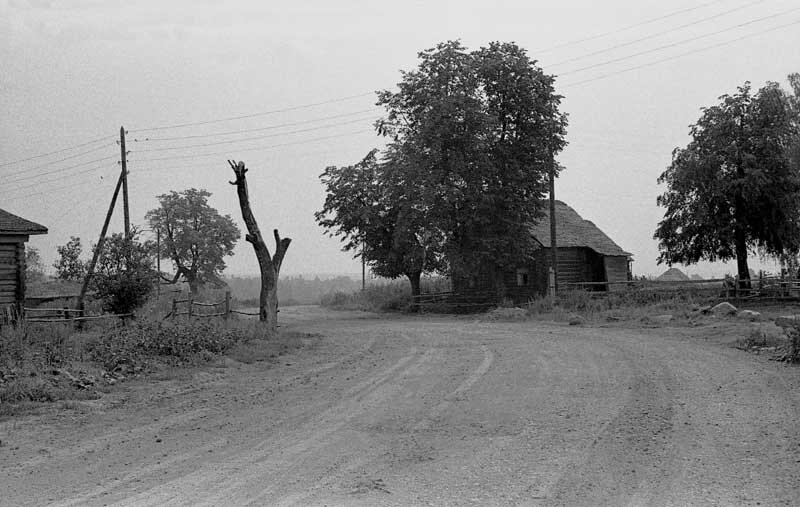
(572, 231)
(11, 224)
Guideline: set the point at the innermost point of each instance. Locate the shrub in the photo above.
(173, 342)
(392, 296)
(124, 275)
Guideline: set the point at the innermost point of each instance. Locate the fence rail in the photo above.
(191, 304)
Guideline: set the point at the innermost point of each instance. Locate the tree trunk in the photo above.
(414, 278)
(194, 284)
(270, 266)
(741, 259)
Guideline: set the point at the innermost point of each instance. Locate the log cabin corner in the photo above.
(14, 233)
(586, 255)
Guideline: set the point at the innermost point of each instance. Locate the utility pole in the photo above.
(124, 162)
(158, 264)
(553, 243)
(363, 269)
(99, 247)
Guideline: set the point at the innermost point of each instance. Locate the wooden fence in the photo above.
(54, 315)
(58, 315)
(190, 307)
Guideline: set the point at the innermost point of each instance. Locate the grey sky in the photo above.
(76, 71)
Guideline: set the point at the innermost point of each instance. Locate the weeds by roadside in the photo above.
(53, 362)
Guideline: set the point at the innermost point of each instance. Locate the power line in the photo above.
(52, 189)
(87, 143)
(257, 148)
(217, 143)
(678, 43)
(55, 162)
(104, 159)
(93, 168)
(657, 34)
(254, 115)
(626, 28)
(699, 50)
(258, 129)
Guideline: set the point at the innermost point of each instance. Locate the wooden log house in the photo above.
(14, 233)
(587, 258)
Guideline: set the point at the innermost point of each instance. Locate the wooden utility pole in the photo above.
(553, 242)
(124, 161)
(363, 269)
(99, 247)
(158, 263)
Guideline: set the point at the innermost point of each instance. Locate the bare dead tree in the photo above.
(270, 265)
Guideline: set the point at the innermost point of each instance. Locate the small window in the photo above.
(522, 277)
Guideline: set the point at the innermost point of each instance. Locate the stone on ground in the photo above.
(724, 308)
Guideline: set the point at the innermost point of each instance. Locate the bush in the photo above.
(173, 342)
(393, 296)
(124, 275)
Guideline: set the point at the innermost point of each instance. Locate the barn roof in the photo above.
(12, 224)
(574, 231)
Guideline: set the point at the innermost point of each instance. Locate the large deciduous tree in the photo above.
(375, 208)
(478, 131)
(733, 188)
(194, 236)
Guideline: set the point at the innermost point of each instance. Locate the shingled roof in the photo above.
(574, 231)
(12, 224)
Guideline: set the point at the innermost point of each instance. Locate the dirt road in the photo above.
(432, 411)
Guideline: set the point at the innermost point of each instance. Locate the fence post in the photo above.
(551, 283)
(227, 304)
(174, 311)
(66, 313)
(191, 303)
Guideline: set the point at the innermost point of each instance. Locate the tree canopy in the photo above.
(734, 187)
(69, 265)
(124, 275)
(375, 211)
(193, 235)
(477, 132)
(472, 137)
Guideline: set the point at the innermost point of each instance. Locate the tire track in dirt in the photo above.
(310, 496)
(474, 377)
(156, 469)
(631, 451)
(267, 461)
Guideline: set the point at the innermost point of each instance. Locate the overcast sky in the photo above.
(73, 72)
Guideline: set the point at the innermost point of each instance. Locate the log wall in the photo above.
(12, 271)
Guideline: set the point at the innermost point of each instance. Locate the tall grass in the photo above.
(34, 356)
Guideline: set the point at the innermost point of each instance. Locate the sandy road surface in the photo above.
(433, 411)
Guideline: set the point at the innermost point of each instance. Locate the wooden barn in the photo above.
(14, 232)
(585, 254)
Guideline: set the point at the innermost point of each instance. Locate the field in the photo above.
(370, 409)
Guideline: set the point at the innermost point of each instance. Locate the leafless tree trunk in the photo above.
(270, 265)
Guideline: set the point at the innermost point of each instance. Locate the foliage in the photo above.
(69, 266)
(476, 133)
(733, 187)
(34, 267)
(375, 298)
(124, 274)
(193, 235)
(376, 211)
